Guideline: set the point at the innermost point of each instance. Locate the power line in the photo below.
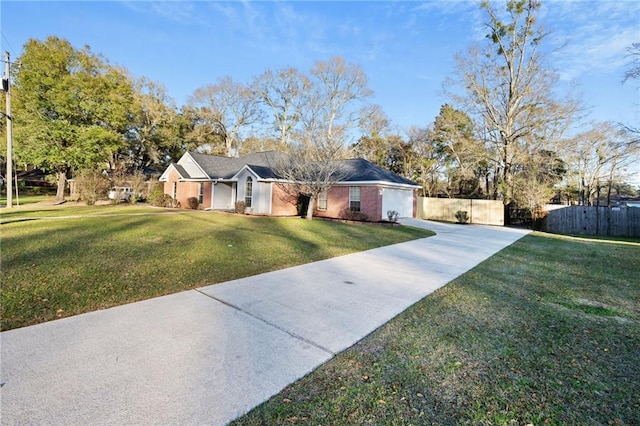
(6, 40)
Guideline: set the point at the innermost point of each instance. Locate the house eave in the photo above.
(164, 177)
(378, 183)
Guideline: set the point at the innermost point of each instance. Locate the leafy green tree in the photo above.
(154, 134)
(464, 156)
(200, 131)
(372, 148)
(71, 108)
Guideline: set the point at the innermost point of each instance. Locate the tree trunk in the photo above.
(312, 201)
(62, 181)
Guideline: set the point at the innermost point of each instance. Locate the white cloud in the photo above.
(595, 35)
(178, 11)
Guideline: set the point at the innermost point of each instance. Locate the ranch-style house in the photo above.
(218, 182)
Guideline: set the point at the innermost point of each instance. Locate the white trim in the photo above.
(198, 180)
(246, 167)
(194, 162)
(325, 199)
(164, 177)
(376, 183)
(213, 191)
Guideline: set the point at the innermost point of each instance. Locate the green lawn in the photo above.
(26, 199)
(62, 261)
(545, 332)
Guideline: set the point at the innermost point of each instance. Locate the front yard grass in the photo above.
(105, 256)
(545, 332)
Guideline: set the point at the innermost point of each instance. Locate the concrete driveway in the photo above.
(207, 356)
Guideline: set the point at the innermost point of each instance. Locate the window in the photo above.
(201, 194)
(248, 192)
(174, 191)
(354, 198)
(322, 200)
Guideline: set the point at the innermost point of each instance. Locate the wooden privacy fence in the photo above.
(591, 220)
(486, 212)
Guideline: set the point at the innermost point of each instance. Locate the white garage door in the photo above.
(400, 200)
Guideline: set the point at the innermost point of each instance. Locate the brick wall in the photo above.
(338, 202)
(371, 202)
(282, 203)
(186, 190)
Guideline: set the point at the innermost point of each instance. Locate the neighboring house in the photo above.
(218, 182)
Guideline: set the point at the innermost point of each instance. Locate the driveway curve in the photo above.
(207, 356)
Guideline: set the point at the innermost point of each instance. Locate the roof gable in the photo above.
(191, 164)
(182, 173)
(217, 167)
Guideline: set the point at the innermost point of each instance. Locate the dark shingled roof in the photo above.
(361, 170)
(181, 170)
(263, 164)
(226, 167)
(264, 172)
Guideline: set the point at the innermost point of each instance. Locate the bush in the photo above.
(158, 198)
(192, 203)
(538, 217)
(462, 216)
(91, 186)
(240, 206)
(156, 195)
(355, 216)
(139, 186)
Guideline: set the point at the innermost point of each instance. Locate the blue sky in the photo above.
(406, 48)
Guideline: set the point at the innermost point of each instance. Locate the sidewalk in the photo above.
(207, 356)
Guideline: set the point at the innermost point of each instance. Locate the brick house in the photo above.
(218, 182)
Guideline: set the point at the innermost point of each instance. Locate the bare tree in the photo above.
(303, 175)
(599, 157)
(510, 91)
(633, 73)
(282, 93)
(428, 167)
(329, 108)
(373, 121)
(230, 107)
(339, 89)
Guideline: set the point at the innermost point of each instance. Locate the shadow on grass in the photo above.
(53, 269)
(491, 347)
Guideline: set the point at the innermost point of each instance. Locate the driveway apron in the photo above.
(208, 355)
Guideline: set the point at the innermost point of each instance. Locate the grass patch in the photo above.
(592, 309)
(26, 199)
(110, 255)
(47, 210)
(545, 332)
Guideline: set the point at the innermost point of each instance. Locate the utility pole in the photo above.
(6, 86)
